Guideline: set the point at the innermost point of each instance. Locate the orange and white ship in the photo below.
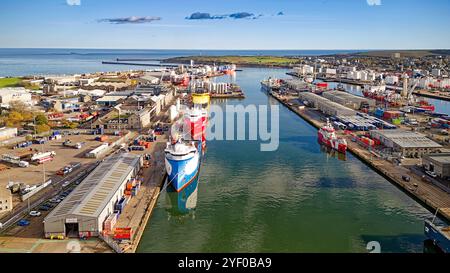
(228, 69)
(327, 136)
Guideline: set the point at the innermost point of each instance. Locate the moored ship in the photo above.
(271, 84)
(188, 141)
(439, 235)
(182, 162)
(327, 136)
(196, 118)
(228, 69)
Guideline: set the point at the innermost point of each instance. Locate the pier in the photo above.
(139, 60)
(426, 193)
(138, 64)
(228, 96)
(433, 95)
(139, 210)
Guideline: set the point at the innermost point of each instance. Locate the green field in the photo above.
(17, 82)
(238, 60)
(10, 82)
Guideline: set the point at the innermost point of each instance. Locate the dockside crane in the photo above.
(408, 89)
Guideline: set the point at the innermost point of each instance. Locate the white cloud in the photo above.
(73, 2)
(374, 2)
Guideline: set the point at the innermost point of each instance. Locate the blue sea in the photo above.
(24, 62)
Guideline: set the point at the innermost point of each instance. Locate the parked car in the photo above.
(34, 213)
(430, 173)
(49, 205)
(406, 178)
(44, 208)
(23, 223)
(55, 200)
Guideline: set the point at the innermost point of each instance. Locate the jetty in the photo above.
(139, 64)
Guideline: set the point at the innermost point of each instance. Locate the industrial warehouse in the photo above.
(407, 143)
(84, 211)
(438, 164)
(325, 105)
(349, 100)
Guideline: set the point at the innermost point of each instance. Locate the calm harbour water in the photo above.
(296, 199)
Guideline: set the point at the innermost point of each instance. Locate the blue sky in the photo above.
(302, 24)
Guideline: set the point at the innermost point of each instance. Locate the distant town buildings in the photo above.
(304, 70)
(7, 133)
(10, 94)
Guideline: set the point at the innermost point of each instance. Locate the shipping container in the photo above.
(120, 205)
(110, 222)
(391, 115)
(123, 233)
(379, 112)
(367, 141)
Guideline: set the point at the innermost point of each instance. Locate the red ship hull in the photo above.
(340, 147)
(198, 126)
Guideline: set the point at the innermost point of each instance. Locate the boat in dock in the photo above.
(270, 84)
(439, 235)
(340, 87)
(228, 69)
(327, 136)
(187, 143)
(182, 162)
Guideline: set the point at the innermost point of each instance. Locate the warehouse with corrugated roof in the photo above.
(83, 211)
(407, 143)
(349, 100)
(325, 105)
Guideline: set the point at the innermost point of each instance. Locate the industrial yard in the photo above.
(47, 237)
(99, 161)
